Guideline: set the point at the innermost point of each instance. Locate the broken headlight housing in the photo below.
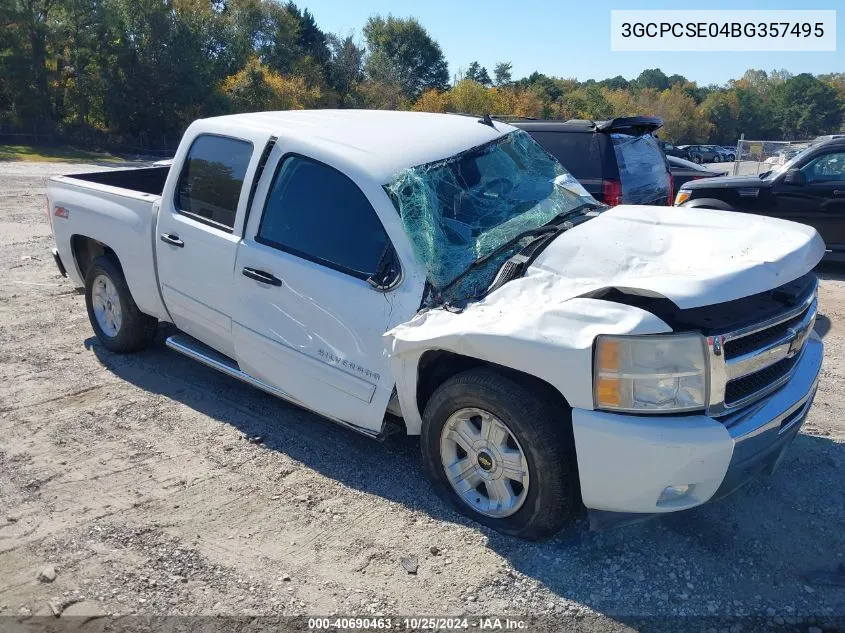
(655, 373)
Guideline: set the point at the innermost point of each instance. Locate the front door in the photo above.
(317, 284)
(820, 202)
(196, 245)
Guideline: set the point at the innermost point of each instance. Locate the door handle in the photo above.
(173, 240)
(263, 277)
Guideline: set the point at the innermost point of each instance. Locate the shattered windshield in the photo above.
(463, 208)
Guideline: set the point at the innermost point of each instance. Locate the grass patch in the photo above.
(49, 154)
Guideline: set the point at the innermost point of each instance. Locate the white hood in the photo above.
(693, 257)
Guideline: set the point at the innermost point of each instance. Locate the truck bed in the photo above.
(143, 180)
(116, 208)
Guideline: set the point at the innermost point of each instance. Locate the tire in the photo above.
(696, 159)
(120, 326)
(717, 158)
(539, 431)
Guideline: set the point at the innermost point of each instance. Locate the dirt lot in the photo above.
(129, 475)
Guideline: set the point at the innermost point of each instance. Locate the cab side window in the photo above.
(211, 180)
(830, 167)
(315, 212)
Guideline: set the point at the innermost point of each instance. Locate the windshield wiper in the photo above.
(540, 230)
(566, 215)
(554, 226)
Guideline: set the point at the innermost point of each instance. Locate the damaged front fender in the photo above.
(525, 325)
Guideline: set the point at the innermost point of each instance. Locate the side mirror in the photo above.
(388, 273)
(795, 177)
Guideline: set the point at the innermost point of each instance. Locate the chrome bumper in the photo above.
(763, 431)
(761, 434)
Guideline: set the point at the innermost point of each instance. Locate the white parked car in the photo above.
(551, 353)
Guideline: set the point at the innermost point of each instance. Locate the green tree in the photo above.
(722, 110)
(257, 87)
(615, 83)
(478, 73)
(837, 82)
(549, 88)
(312, 41)
(403, 53)
(27, 31)
(502, 73)
(677, 79)
(585, 102)
(654, 79)
(345, 67)
(805, 106)
(471, 97)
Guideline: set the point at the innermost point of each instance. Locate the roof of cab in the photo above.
(380, 142)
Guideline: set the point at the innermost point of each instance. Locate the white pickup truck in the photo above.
(552, 353)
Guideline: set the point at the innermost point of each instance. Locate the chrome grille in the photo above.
(759, 339)
(740, 388)
(748, 364)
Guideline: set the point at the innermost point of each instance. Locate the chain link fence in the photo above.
(757, 157)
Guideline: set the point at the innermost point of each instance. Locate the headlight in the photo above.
(683, 196)
(664, 373)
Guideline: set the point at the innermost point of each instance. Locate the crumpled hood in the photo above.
(693, 257)
(543, 325)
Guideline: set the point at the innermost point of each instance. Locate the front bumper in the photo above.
(625, 462)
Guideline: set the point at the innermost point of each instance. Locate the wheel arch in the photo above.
(436, 366)
(708, 203)
(86, 249)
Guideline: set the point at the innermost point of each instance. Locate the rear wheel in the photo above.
(114, 316)
(501, 453)
(717, 158)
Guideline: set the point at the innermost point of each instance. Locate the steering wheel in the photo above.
(504, 185)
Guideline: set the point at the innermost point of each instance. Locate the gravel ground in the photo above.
(129, 479)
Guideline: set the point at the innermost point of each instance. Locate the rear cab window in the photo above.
(211, 180)
(643, 171)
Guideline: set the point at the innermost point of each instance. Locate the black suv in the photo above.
(618, 161)
(810, 189)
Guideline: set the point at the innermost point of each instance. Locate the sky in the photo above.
(562, 38)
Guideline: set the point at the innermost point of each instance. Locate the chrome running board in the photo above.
(209, 357)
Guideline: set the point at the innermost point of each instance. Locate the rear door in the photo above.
(196, 241)
(317, 284)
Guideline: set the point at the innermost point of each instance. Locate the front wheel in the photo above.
(115, 318)
(696, 159)
(501, 453)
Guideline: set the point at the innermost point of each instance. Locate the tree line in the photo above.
(144, 69)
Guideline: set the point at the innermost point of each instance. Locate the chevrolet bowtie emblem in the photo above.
(798, 338)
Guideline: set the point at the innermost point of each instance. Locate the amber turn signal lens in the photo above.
(608, 392)
(608, 355)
